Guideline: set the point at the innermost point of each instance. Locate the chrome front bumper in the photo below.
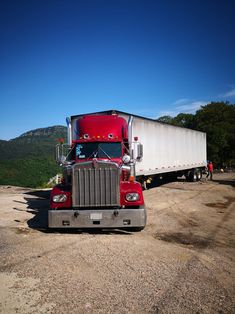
(97, 218)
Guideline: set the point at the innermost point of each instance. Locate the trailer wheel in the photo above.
(199, 174)
(191, 176)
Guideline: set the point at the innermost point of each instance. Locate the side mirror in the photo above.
(60, 153)
(61, 159)
(137, 151)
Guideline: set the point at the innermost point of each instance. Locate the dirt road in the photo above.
(183, 262)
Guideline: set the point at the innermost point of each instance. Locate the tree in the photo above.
(186, 120)
(217, 119)
(166, 119)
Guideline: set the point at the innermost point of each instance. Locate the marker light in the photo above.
(59, 198)
(131, 178)
(132, 197)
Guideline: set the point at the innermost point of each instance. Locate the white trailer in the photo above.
(167, 149)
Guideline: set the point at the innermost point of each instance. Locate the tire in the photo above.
(194, 175)
(199, 175)
(191, 176)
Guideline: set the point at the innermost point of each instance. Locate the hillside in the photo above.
(42, 135)
(28, 160)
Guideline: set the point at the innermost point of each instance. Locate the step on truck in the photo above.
(110, 156)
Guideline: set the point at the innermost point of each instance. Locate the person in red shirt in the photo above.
(210, 170)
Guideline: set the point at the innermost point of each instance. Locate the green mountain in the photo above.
(28, 160)
(42, 135)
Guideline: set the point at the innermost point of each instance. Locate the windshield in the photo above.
(98, 150)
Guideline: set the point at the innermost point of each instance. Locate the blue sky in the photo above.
(151, 58)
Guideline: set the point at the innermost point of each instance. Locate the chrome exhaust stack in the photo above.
(69, 134)
(132, 163)
(130, 121)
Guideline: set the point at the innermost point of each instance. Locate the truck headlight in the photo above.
(132, 197)
(126, 159)
(59, 198)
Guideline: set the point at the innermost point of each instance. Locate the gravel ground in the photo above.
(182, 262)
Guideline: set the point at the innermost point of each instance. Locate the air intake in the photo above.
(96, 184)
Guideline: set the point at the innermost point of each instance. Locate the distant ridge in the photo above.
(28, 160)
(49, 131)
(42, 134)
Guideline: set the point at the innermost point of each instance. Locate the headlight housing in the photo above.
(59, 198)
(126, 159)
(132, 197)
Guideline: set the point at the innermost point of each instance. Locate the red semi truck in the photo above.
(104, 168)
(98, 187)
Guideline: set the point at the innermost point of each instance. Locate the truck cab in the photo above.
(98, 188)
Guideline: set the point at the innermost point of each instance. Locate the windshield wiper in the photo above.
(104, 152)
(95, 153)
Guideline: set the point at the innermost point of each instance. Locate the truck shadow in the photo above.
(38, 203)
(225, 182)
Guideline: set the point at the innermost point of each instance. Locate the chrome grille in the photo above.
(96, 184)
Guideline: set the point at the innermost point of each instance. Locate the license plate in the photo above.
(96, 216)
